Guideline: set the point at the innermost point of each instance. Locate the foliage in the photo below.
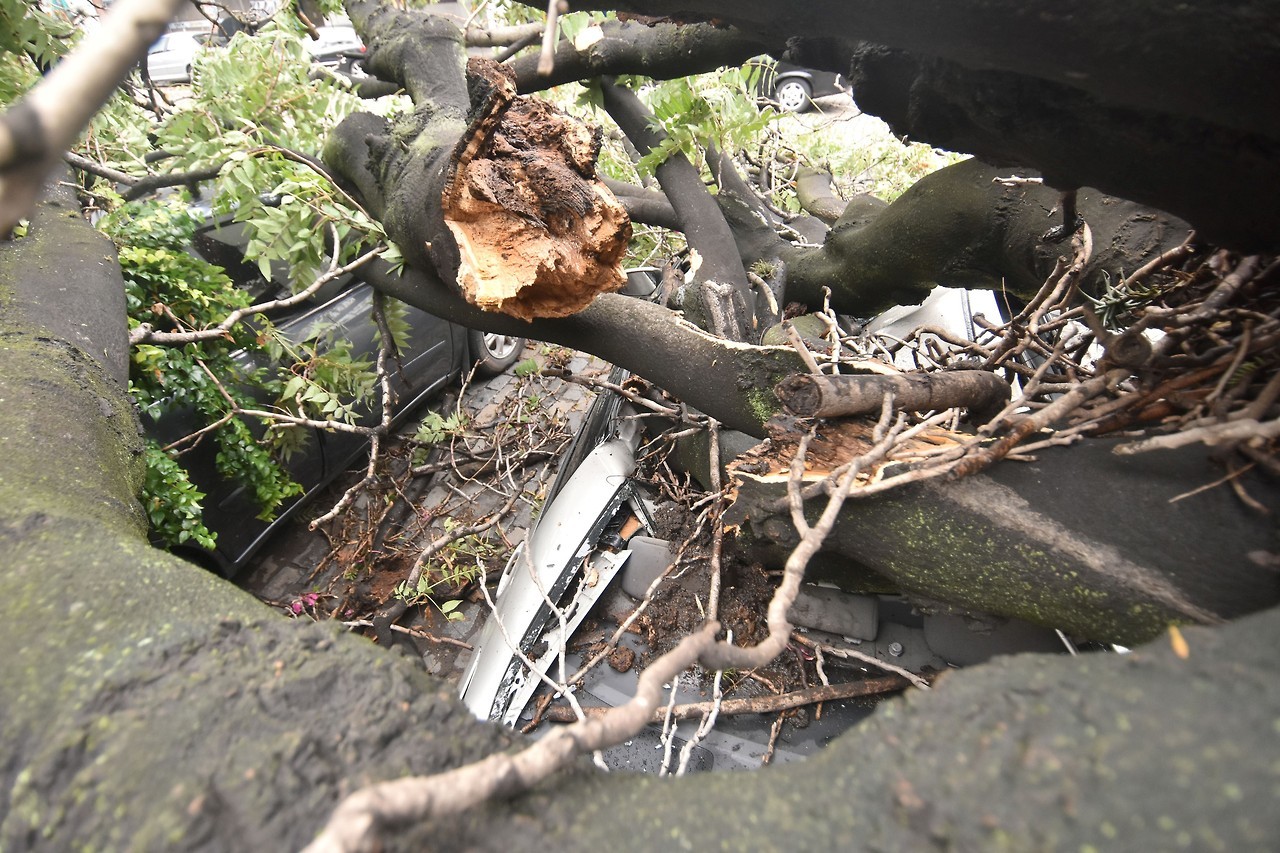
(29, 39)
(718, 108)
(254, 114)
(171, 289)
(452, 568)
(171, 501)
(420, 593)
(436, 427)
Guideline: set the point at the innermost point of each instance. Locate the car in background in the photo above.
(792, 89)
(172, 56)
(338, 47)
(436, 353)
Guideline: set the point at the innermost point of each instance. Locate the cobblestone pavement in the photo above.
(350, 568)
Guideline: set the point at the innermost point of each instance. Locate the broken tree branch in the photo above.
(36, 131)
(756, 704)
(823, 396)
(1241, 430)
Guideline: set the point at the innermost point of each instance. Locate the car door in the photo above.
(169, 58)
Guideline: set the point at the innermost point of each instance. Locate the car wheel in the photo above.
(793, 95)
(188, 73)
(493, 354)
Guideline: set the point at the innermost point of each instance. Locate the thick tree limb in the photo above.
(958, 228)
(1065, 93)
(507, 204)
(1093, 53)
(1100, 551)
(729, 313)
(36, 130)
(813, 191)
(649, 207)
(662, 51)
(822, 396)
(732, 382)
(1126, 152)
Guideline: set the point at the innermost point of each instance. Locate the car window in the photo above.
(224, 246)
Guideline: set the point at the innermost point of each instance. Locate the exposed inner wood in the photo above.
(538, 233)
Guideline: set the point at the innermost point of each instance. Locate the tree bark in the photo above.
(808, 395)
(720, 294)
(661, 50)
(959, 227)
(1066, 92)
(1080, 539)
(1090, 49)
(149, 705)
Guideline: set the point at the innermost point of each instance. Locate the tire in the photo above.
(793, 95)
(493, 354)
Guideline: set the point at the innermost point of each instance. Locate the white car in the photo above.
(169, 60)
(338, 47)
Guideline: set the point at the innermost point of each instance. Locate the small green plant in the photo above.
(528, 367)
(420, 593)
(766, 269)
(172, 502)
(452, 568)
(436, 427)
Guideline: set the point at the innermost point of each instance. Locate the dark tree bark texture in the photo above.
(1087, 94)
(1081, 539)
(958, 227)
(661, 50)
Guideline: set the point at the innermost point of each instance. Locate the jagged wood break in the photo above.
(538, 233)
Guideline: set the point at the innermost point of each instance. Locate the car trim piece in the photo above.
(559, 548)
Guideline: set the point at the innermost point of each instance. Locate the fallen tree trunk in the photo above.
(150, 705)
(1079, 539)
(1097, 751)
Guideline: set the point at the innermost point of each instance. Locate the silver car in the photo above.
(170, 59)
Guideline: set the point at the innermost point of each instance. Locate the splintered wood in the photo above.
(835, 445)
(538, 233)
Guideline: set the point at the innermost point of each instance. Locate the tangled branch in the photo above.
(358, 820)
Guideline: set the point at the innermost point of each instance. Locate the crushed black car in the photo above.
(437, 352)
